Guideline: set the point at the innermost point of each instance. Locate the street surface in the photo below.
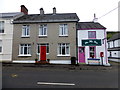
(59, 76)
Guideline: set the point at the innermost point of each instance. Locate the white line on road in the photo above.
(46, 83)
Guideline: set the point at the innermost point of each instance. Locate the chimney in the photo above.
(95, 19)
(41, 11)
(24, 9)
(54, 10)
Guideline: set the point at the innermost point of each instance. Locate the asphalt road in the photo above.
(53, 77)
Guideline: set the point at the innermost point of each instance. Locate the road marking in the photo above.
(46, 83)
(14, 75)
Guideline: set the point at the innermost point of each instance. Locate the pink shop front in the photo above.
(92, 41)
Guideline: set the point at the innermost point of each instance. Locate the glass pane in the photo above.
(25, 50)
(0, 49)
(21, 51)
(63, 50)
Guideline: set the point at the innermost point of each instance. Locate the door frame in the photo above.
(78, 54)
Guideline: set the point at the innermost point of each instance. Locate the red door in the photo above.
(81, 54)
(42, 52)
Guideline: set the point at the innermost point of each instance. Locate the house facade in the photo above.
(6, 35)
(56, 31)
(114, 47)
(92, 43)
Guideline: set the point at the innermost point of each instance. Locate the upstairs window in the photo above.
(92, 34)
(25, 31)
(63, 30)
(1, 26)
(43, 30)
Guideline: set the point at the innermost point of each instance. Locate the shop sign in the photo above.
(91, 42)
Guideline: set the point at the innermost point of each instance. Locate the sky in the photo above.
(85, 9)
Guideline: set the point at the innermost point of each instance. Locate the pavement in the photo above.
(114, 66)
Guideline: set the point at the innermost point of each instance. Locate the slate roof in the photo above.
(115, 37)
(89, 25)
(9, 15)
(34, 18)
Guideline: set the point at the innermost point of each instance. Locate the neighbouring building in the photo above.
(56, 31)
(92, 43)
(114, 47)
(6, 35)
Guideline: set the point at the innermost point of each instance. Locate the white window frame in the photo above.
(67, 49)
(22, 48)
(43, 44)
(43, 30)
(2, 29)
(1, 47)
(63, 30)
(25, 31)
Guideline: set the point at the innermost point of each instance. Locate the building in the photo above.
(6, 35)
(114, 47)
(56, 31)
(92, 43)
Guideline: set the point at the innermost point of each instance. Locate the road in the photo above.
(40, 77)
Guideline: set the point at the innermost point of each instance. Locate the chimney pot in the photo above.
(41, 11)
(54, 10)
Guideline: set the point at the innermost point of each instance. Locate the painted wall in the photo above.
(6, 38)
(83, 34)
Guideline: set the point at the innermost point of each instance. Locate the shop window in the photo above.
(92, 52)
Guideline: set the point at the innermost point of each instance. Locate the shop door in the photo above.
(81, 54)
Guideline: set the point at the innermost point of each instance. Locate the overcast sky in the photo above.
(85, 9)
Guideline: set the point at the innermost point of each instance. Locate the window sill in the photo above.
(63, 55)
(24, 55)
(2, 34)
(25, 36)
(63, 35)
(1, 53)
(42, 36)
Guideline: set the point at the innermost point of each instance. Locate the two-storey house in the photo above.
(6, 35)
(92, 46)
(114, 47)
(56, 31)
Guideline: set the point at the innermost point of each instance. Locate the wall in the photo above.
(6, 38)
(53, 39)
(83, 34)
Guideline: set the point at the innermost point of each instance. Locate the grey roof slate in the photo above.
(9, 15)
(115, 37)
(89, 25)
(34, 18)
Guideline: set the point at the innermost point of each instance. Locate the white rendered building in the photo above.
(6, 35)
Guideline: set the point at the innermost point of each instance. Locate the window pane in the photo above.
(21, 51)
(0, 49)
(25, 50)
